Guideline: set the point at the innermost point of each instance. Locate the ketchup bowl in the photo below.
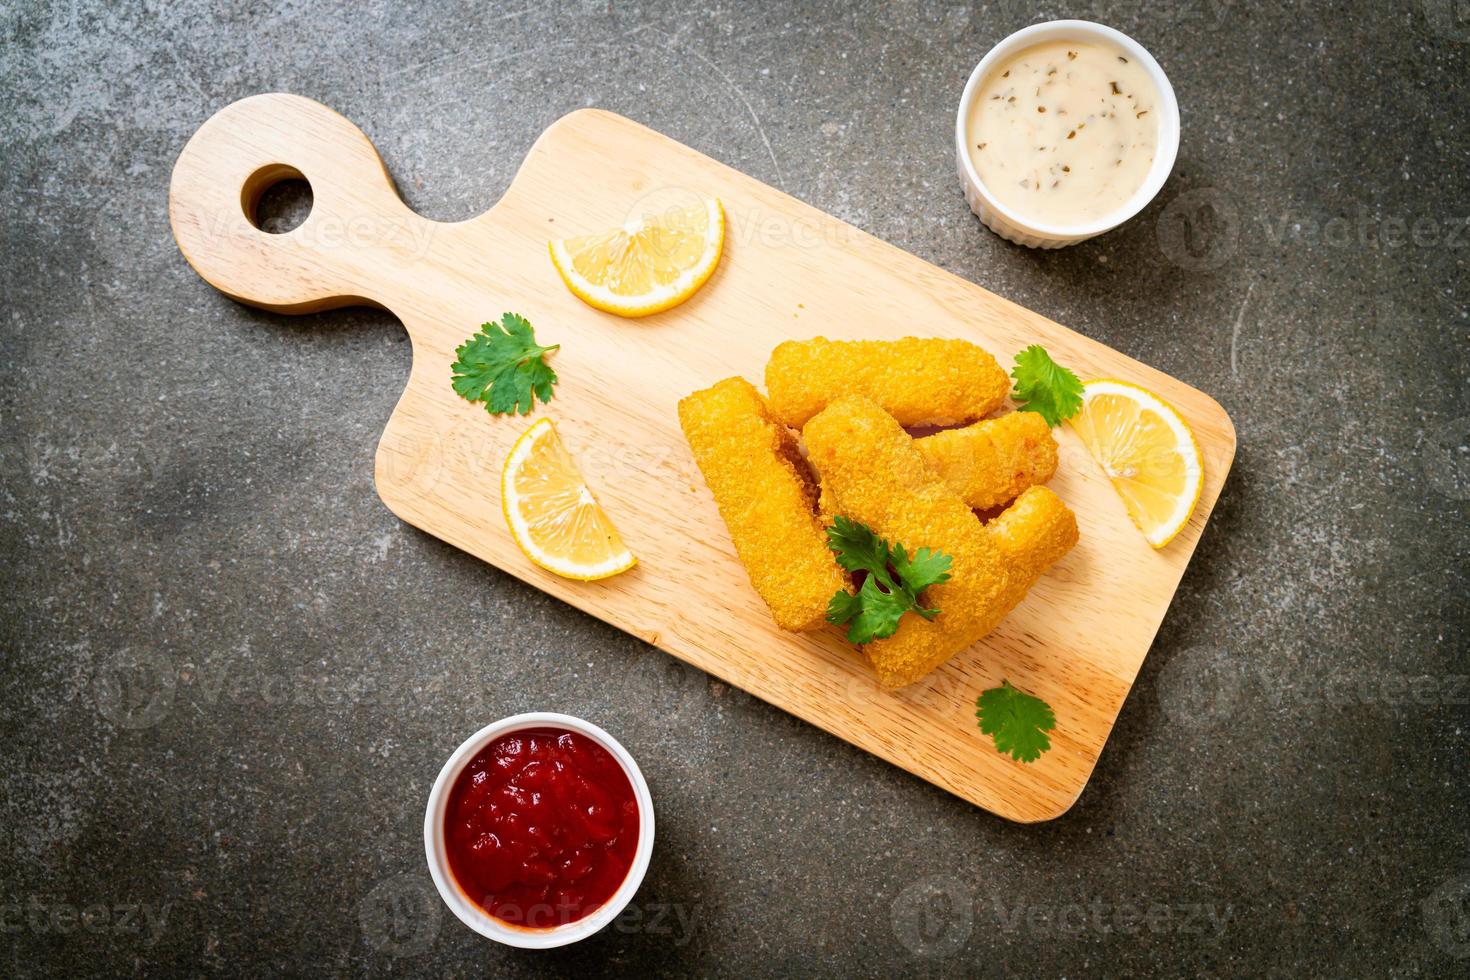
(538, 830)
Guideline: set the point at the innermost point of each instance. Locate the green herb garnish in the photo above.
(1045, 387)
(503, 367)
(1017, 721)
(892, 587)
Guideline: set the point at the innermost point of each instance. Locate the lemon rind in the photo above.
(1194, 463)
(655, 301)
(520, 530)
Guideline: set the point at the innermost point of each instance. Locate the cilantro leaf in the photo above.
(1045, 387)
(503, 367)
(871, 614)
(843, 606)
(894, 581)
(1017, 721)
(927, 567)
(858, 549)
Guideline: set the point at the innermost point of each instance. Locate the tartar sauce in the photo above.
(1064, 132)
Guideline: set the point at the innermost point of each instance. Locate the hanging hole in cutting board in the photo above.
(276, 199)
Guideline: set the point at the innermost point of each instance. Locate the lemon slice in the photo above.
(552, 515)
(653, 262)
(1148, 452)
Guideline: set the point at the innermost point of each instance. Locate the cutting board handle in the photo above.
(359, 239)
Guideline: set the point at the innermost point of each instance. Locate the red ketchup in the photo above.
(541, 827)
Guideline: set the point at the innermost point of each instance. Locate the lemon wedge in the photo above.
(1148, 452)
(654, 262)
(552, 515)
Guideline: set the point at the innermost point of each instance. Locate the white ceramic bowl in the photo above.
(477, 918)
(1004, 221)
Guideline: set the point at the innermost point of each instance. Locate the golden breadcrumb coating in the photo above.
(1033, 533)
(992, 461)
(872, 472)
(987, 463)
(767, 497)
(914, 380)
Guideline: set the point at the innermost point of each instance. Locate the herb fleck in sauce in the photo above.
(1056, 171)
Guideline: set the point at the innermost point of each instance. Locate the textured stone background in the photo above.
(229, 675)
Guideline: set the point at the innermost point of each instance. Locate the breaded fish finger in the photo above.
(992, 461)
(766, 496)
(1033, 534)
(987, 463)
(914, 380)
(873, 473)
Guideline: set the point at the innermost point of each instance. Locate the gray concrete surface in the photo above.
(229, 675)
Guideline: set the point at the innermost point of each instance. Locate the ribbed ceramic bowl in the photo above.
(1015, 227)
(477, 918)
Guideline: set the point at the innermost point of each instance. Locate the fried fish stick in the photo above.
(873, 473)
(992, 461)
(767, 498)
(1033, 534)
(988, 463)
(914, 380)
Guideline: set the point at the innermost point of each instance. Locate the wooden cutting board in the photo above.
(789, 271)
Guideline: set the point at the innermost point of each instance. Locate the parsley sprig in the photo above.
(1044, 386)
(503, 367)
(1017, 721)
(894, 580)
